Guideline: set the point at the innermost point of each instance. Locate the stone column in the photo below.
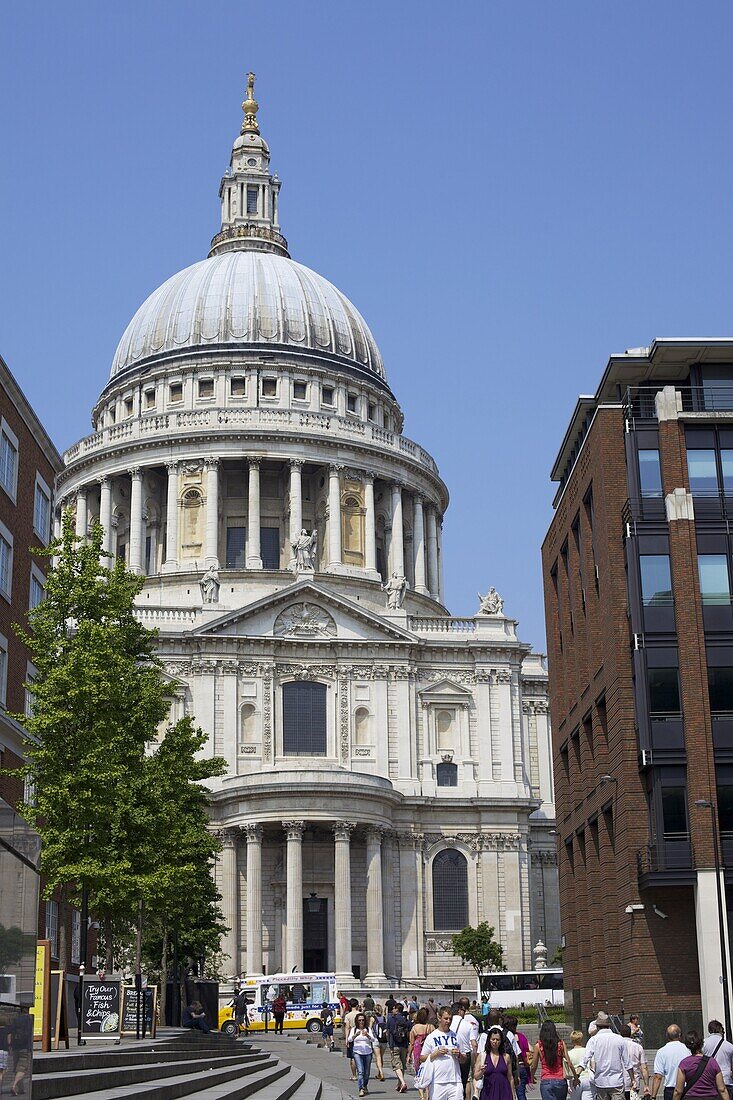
(212, 512)
(171, 523)
(229, 899)
(433, 583)
(254, 898)
(81, 513)
(418, 538)
(334, 516)
(296, 504)
(294, 891)
(105, 513)
(398, 540)
(254, 555)
(342, 831)
(370, 545)
(135, 556)
(441, 582)
(374, 917)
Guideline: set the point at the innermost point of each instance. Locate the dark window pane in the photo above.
(270, 547)
(450, 891)
(726, 461)
(714, 584)
(720, 689)
(664, 691)
(235, 547)
(447, 774)
(674, 811)
(656, 579)
(725, 808)
(703, 473)
(650, 474)
(251, 200)
(304, 719)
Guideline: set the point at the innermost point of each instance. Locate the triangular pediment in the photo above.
(304, 611)
(445, 691)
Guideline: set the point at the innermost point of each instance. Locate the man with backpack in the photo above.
(398, 1037)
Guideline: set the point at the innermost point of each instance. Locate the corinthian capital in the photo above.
(294, 829)
(342, 830)
(253, 833)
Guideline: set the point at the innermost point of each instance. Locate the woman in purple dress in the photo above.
(495, 1069)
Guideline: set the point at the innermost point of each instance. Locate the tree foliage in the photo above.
(478, 948)
(121, 813)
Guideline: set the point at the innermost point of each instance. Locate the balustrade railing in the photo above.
(443, 624)
(167, 424)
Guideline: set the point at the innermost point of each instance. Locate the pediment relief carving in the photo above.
(304, 620)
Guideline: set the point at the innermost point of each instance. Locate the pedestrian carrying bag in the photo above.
(699, 1070)
(424, 1075)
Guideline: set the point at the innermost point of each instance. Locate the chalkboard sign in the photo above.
(100, 1009)
(129, 1011)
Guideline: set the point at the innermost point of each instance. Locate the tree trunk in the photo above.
(163, 976)
(63, 938)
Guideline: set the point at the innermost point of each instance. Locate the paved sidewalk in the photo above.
(333, 1069)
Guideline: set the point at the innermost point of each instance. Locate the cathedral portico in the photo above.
(389, 770)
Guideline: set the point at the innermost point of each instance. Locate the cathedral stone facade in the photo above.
(389, 765)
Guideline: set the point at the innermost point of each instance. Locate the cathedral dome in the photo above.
(245, 300)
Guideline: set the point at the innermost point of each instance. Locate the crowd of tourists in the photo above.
(471, 1052)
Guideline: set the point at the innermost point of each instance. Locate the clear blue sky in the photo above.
(509, 192)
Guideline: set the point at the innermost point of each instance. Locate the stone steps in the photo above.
(207, 1067)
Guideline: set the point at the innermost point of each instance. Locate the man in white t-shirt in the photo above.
(441, 1048)
(465, 1028)
(717, 1046)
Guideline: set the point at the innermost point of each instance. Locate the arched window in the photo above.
(361, 727)
(352, 530)
(444, 729)
(304, 718)
(450, 891)
(447, 774)
(248, 726)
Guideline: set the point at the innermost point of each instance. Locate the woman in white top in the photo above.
(583, 1090)
(363, 1040)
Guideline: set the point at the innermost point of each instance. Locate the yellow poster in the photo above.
(43, 960)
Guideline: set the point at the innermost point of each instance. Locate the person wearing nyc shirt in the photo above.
(441, 1048)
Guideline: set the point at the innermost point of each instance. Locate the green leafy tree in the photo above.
(478, 948)
(109, 811)
(13, 945)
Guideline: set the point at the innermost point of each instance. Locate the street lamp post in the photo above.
(705, 804)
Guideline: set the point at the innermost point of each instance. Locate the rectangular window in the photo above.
(674, 812)
(656, 580)
(6, 566)
(304, 718)
(726, 463)
(75, 936)
(42, 510)
(299, 391)
(270, 547)
(714, 582)
(703, 472)
(30, 675)
(269, 387)
(720, 689)
(235, 547)
(252, 200)
(206, 387)
(327, 395)
(725, 807)
(176, 392)
(650, 473)
(52, 926)
(128, 407)
(664, 691)
(150, 399)
(238, 387)
(3, 671)
(37, 589)
(351, 402)
(8, 460)
(372, 412)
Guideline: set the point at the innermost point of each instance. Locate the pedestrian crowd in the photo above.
(470, 1052)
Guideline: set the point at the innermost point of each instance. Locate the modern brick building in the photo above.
(29, 463)
(637, 576)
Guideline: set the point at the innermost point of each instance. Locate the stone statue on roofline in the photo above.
(491, 603)
(395, 587)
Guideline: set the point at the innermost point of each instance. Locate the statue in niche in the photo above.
(491, 603)
(209, 585)
(396, 587)
(305, 549)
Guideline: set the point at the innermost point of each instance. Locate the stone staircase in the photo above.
(208, 1067)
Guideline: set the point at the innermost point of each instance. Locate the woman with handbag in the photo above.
(362, 1040)
(419, 1032)
(699, 1075)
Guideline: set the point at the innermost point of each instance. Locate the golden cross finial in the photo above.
(250, 107)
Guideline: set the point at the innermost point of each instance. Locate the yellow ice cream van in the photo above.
(304, 996)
